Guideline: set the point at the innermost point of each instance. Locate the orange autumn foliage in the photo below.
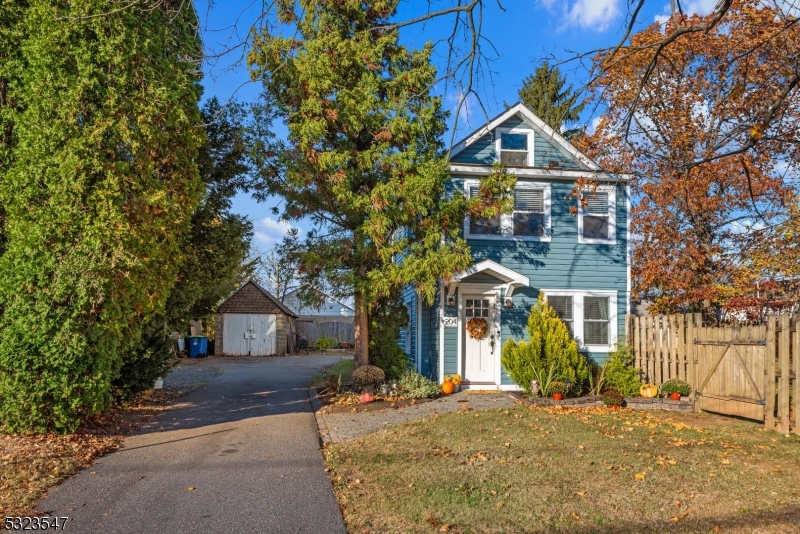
(708, 126)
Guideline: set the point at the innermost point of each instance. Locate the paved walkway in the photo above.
(239, 455)
(336, 427)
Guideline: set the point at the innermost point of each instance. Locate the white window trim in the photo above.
(527, 131)
(612, 218)
(577, 315)
(507, 220)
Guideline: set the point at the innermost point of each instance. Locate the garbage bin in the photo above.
(198, 346)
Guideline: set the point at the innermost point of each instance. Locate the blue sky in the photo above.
(522, 35)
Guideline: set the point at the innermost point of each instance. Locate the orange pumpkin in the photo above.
(448, 387)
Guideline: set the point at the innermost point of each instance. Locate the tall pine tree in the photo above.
(364, 160)
(99, 191)
(544, 93)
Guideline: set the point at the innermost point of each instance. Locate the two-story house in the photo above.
(580, 262)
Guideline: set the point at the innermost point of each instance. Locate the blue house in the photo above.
(580, 263)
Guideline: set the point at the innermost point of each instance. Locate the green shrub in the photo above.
(150, 359)
(324, 342)
(368, 375)
(550, 343)
(415, 386)
(676, 386)
(619, 373)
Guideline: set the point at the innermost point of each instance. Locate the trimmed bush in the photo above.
(550, 344)
(368, 375)
(619, 373)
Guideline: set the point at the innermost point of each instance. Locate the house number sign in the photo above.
(450, 321)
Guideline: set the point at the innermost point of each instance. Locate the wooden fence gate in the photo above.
(731, 365)
(748, 371)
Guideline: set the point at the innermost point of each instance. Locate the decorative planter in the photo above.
(367, 397)
(675, 396)
(344, 345)
(613, 406)
(558, 396)
(448, 387)
(368, 389)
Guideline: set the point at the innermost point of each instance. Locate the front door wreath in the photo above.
(477, 328)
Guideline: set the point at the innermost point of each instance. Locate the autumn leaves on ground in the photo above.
(571, 471)
(31, 464)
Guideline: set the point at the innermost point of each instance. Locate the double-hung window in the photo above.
(590, 316)
(595, 320)
(514, 146)
(529, 220)
(597, 217)
(529, 215)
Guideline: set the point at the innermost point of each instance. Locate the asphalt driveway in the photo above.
(239, 455)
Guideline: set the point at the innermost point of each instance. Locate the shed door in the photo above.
(264, 327)
(249, 334)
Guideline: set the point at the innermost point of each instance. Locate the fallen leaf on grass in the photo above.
(445, 528)
(640, 476)
(581, 493)
(576, 517)
(500, 504)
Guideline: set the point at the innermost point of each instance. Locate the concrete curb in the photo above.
(322, 427)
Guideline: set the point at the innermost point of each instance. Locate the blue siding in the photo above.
(410, 300)
(545, 151)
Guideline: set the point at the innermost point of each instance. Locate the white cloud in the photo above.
(591, 14)
(268, 231)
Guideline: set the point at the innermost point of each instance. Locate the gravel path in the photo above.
(190, 374)
(334, 427)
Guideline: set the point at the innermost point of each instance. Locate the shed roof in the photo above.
(231, 304)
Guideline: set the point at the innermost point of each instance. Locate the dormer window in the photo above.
(514, 147)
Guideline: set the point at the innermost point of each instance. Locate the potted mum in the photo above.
(676, 388)
(452, 383)
(612, 399)
(557, 390)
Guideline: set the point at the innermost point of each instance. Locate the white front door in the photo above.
(480, 355)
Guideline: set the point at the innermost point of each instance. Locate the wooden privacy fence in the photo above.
(337, 330)
(747, 371)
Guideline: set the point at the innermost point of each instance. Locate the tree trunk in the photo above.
(361, 330)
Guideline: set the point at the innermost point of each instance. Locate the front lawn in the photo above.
(569, 471)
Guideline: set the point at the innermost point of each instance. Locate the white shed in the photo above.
(253, 322)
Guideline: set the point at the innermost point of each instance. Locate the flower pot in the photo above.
(367, 397)
(558, 396)
(448, 387)
(368, 389)
(614, 406)
(344, 345)
(675, 396)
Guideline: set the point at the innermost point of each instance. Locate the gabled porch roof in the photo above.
(509, 278)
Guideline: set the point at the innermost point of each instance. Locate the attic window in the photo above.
(514, 149)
